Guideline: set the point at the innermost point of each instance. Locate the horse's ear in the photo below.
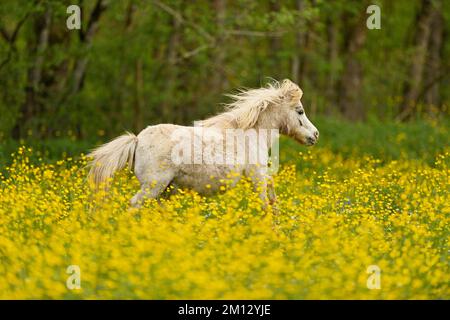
(291, 90)
(287, 83)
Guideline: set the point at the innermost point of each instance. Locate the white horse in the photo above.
(154, 153)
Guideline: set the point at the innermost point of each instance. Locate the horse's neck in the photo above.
(267, 136)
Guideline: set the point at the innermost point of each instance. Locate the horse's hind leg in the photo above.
(152, 185)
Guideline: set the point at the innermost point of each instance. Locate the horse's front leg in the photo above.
(271, 190)
(263, 185)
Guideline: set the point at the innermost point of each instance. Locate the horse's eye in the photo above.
(300, 112)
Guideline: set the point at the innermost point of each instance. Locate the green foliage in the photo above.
(171, 61)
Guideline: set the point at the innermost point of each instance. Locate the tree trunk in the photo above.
(139, 101)
(86, 38)
(275, 46)
(350, 102)
(34, 75)
(119, 87)
(297, 54)
(219, 76)
(332, 54)
(411, 88)
(434, 64)
(169, 110)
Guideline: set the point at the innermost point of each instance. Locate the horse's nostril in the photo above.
(316, 134)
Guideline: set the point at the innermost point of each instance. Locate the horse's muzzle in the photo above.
(310, 141)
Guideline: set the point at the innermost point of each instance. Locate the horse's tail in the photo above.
(111, 157)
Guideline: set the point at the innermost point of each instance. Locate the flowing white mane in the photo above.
(247, 105)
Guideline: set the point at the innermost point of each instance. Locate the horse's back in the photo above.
(153, 150)
(154, 155)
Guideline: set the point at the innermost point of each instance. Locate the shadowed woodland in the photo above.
(135, 62)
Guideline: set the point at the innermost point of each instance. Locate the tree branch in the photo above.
(192, 53)
(179, 17)
(251, 33)
(4, 33)
(92, 25)
(11, 38)
(441, 76)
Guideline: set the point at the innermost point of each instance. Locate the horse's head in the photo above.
(293, 120)
(276, 106)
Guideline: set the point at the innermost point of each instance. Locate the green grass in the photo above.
(382, 140)
(386, 141)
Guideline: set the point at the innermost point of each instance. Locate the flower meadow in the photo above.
(336, 217)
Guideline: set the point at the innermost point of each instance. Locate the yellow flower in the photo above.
(333, 219)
